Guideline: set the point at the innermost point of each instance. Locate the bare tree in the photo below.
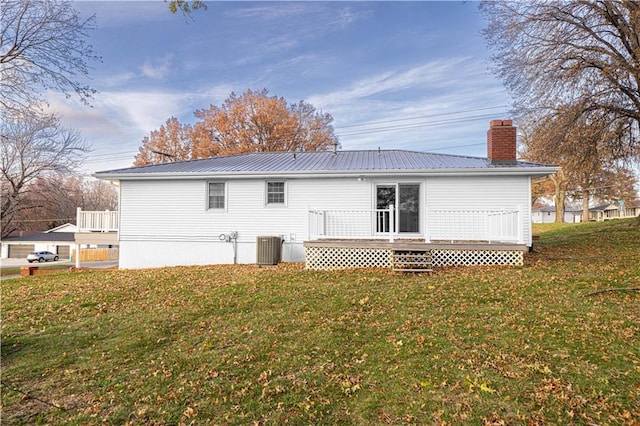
(54, 201)
(99, 195)
(42, 46)
(581, 56)
(33, 147)
(561, 54)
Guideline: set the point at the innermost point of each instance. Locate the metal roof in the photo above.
(320, 162)
(43, 237)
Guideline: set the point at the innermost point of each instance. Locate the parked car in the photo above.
(41, 256)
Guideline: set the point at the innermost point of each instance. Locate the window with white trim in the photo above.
(275, 193)
(216, 196)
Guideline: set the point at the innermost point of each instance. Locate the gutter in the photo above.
(498, 171)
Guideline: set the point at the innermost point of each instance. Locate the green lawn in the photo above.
(249, 345)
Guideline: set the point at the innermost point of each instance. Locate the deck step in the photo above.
(412, 261)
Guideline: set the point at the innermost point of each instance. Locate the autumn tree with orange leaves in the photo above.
(171, 142)
(252, 122)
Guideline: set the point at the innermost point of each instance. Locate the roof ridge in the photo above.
(325, 161)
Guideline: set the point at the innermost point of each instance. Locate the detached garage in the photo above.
(59, 240)
(17, 251)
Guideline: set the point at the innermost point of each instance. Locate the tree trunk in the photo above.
(559, 195)
(559, 199)
(585, 205)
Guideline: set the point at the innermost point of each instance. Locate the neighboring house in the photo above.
(332, 209)
(615, 211)
(547, 214)
(95, 230)
(600, 213)
(632, 208)
(604, 212)
(59, 240)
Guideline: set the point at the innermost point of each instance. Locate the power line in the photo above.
(123, 155)
(420, 116)
(111, 154)
(114, 154)
(456, 146)
(102, 159)
(417, 125)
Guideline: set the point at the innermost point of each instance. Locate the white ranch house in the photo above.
(332, 209)
(547, 214)
(611, 211)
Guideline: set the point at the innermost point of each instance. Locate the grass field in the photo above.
(249, 345)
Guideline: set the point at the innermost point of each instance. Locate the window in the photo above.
(216, 195)
(275, 193)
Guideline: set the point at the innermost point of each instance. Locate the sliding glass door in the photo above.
(405, 199)
(409, 207)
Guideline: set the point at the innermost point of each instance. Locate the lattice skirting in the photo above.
(329, 258)
(441, 257)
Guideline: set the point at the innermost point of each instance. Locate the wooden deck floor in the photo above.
(418, 245)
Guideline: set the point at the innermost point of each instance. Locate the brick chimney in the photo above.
(501, 141)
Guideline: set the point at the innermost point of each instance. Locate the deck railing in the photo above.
(500, 225)
(493, 225)
(97, 221)
(351, 224)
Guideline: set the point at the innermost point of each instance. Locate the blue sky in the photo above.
(405, 75)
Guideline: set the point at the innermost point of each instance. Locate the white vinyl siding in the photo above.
(167, 222)
(156, 215)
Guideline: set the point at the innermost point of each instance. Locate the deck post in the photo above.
(392, 223)
(520, 225)
(427, 239)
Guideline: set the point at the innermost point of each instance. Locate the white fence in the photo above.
(97, 221)
(499, 225)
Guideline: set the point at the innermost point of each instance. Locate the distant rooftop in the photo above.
(320, 162)
(44, 237)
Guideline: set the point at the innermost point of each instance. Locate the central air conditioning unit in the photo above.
(268, 250)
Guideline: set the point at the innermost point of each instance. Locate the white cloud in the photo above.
(115, 80)
(347, 16)
(273, 11)
(118, 120)
(159, 71)
(432, 74)
(429, 106)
